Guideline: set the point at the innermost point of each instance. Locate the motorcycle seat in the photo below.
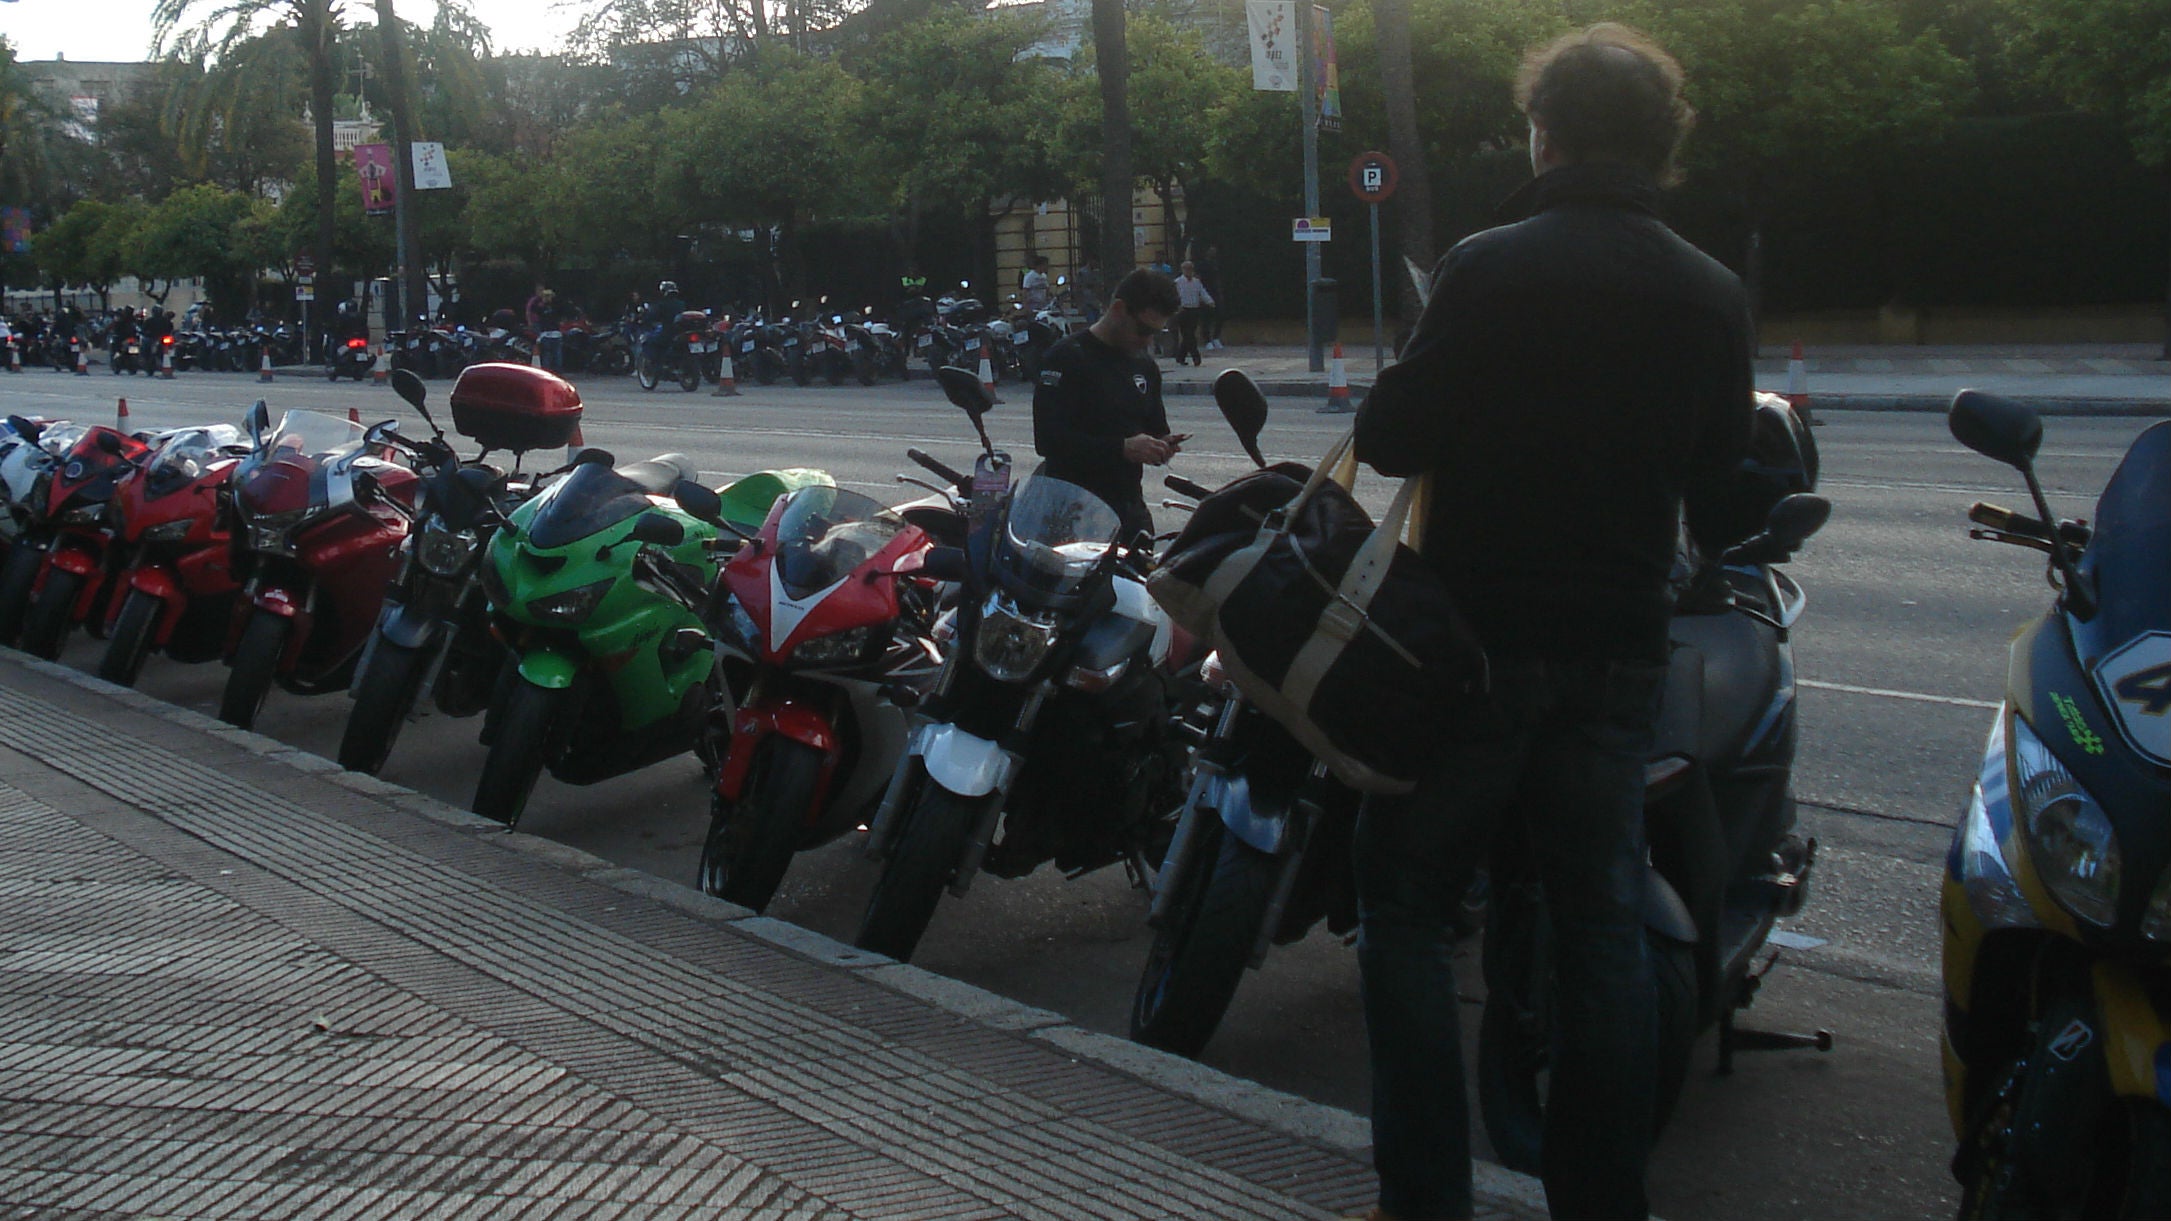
(660, 475)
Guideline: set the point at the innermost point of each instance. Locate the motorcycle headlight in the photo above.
(572, 607)
(84, 515)
(444, 552)
(2071, 838)
(170, 532)
(834, 650)
(1011, 645)
(272, 533)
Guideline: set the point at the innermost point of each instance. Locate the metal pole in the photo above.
(1379, 347)
(1308, 108)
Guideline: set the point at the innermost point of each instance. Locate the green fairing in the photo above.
(549, 668)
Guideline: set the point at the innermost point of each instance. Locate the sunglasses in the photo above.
(1144, 329)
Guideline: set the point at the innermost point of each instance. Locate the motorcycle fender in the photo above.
(1230, 795)
(77, 560)
(2065, 1089)
(966, 765)
(549, 669)
(2135, 1038)
(796, 722)
(277, 601)
(408, 627)
(1663, 911)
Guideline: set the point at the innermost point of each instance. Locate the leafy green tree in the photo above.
(1184, 94)
(194, 232)
(88, 245)
(235, 120)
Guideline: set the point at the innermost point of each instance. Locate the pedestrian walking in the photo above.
(1580, 376)
(1191, 291)
(1035, 285)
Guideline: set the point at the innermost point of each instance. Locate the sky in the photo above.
(121, 29)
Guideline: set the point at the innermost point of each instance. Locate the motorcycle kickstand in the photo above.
(1733, 1038)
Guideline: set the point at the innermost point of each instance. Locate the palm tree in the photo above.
(1113, 60)
(214, 31)
(1413, 203)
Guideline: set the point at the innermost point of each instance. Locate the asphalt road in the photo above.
(1901, 656)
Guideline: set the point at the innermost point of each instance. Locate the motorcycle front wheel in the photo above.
(689, 373)
(644, 372)
(1203, 945)
(383, 696)
(130, 645)
(519, 751)
(17, 577)
(865, 367)
(834, 368)
(749, 846)
(796, 365)
(52, 615)
(255, 668)
(919, 867)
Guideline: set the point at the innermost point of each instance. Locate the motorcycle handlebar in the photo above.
(935, 465)
(1177, 483)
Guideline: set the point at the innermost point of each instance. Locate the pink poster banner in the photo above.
(380, 186)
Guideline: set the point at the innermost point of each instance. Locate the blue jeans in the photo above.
(1560, 748)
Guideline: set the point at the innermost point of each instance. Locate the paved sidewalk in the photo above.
(2110, 379)
(237, 981)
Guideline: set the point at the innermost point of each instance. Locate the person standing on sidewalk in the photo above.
(1098, 418)
(1191, 292)
(1578, 377)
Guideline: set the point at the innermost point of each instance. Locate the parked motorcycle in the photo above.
(1049, 734)
(176, 591)
(829, 614)
(319, 518)
(597, 585)
(434, 632)
(75, 534)
(2056, 913)
(1719, 814)
(350, 358)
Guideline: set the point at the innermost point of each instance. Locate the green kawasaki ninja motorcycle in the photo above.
(597, 584)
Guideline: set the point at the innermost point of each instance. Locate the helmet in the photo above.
(1782, 460)
(668, 287)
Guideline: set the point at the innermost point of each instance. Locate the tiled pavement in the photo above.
(235, 981)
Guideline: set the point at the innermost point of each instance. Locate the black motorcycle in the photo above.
(1050, 734)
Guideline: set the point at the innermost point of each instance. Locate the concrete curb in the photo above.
(1331, 1127)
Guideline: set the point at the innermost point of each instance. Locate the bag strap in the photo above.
(1338, 464)
(1347, 612)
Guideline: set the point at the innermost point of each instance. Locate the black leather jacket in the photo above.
(1577, 375)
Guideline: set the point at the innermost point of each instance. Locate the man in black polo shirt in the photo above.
(1098, 419)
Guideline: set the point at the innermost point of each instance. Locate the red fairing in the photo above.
(794, 721)
(277, 487)
(859, 601)
(88, 462)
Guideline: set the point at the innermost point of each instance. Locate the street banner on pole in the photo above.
(380, 186)
(15, 230)
(1325, 72)
(432, 172)
(1273, 49)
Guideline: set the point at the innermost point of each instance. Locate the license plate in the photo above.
(972, 345)
(791, 343)
(748, 346)
(704, 347)
(925, 341)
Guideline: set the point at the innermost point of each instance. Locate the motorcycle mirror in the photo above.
(700, 501)
(26, 429)
(1244, 407)
(593, 456)
(1796, 517)
(1996, 427)
(408, 386)
(947, 564)
(256, 422)
(1060, 281)
(658, 529)
(109, 443)
(964, 389)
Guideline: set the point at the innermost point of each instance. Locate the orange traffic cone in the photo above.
(354, 415)
(575, 445)
(263, 371)
(165, 361)
(15, 355)
(82, 358)
(379, 375)
(1798, 384)
(727, 384)
(987, 373)
(120, 416)
(1337, 384)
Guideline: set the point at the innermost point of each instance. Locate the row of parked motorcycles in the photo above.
(442, 348)
(977, 680)
(235, 350)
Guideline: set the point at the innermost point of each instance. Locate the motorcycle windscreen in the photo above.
(310, 434)
(589, 501)
(1054, 537)
(2129, 558)
(824, 533)
(182, 456)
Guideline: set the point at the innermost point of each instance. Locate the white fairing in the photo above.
(958, 761)
(786, 613)
(1133, 602)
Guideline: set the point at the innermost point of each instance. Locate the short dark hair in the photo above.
(1146, 288)
(1608, 93)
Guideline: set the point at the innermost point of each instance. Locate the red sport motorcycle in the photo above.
(829, 610)
(319, 515)
(78, 538)
(175, 593)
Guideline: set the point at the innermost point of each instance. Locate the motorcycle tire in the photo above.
(689, 373)
(918, 869)
(255, 668)
(834, 368)
(644, 372)
(519, 750)
(750, 845)
(1511, 1058)
(797, 366)
(130, 644)
(865, 368)
(18, 577)
(52, 615)
(764, 364)
(1204, 943)
(383, 696)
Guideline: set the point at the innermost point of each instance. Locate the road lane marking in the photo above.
(1886, 693)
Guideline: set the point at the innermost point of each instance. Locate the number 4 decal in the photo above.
(2150, 688)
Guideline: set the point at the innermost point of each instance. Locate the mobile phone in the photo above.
(1178, 438)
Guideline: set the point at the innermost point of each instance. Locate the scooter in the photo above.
(830, 617)
(351, 357)
(176, 592)
(1719, 814)
(1050, 731)
(319, 517)
(2056, 904)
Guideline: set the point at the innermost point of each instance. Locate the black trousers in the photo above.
(1187, 332)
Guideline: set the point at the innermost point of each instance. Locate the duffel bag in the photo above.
(1325, 620)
